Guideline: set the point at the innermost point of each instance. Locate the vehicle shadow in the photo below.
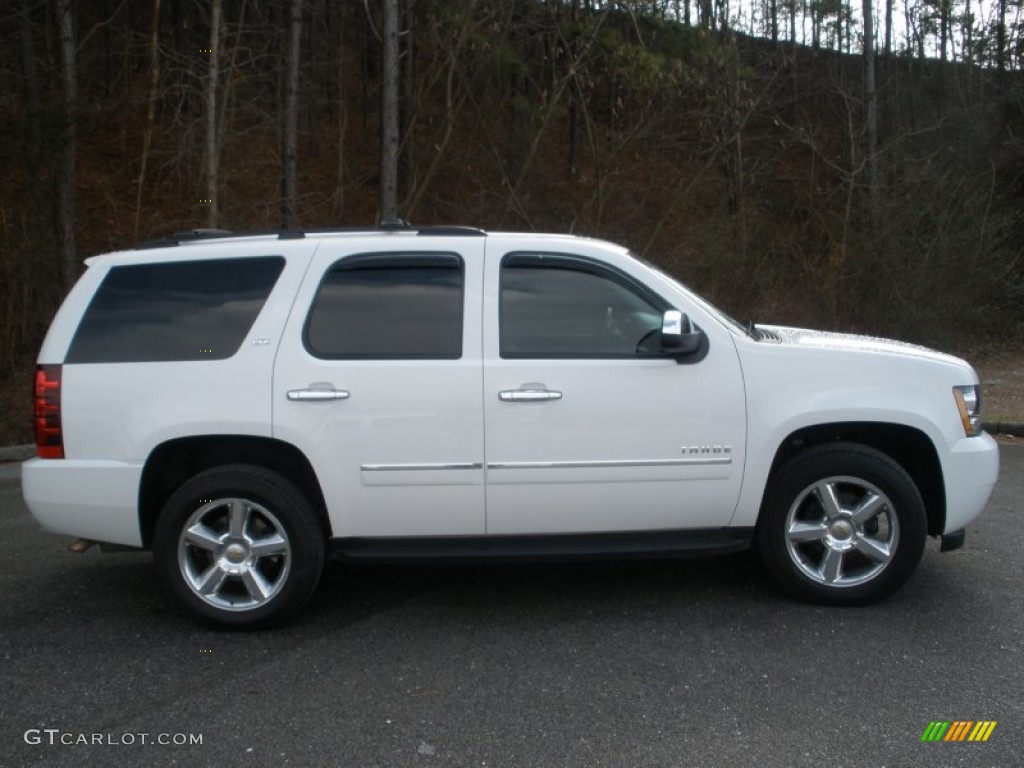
(348, 591)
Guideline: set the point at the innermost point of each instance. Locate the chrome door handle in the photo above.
(528, 395)
(317, 395)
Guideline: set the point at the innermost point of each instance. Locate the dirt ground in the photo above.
(1002, 386)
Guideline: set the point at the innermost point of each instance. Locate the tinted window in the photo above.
(558, 306)
(185, 310)
(384, 306)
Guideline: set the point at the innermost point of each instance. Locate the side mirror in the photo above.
(677, 334)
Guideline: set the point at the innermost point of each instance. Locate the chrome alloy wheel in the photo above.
(234, 554)
(841, 531)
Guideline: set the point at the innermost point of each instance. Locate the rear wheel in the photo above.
(239, 545)
(842, 524)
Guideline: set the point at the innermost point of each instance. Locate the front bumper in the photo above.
(970, 470)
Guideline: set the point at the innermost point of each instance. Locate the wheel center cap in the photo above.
(235, 553)
(842, 530)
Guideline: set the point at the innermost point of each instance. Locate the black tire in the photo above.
(821, 551)
(257, 573)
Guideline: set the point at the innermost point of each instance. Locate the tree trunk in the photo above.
(908, 22)
(290, 134)
(389, 115)
(312, 83)
(1001, 37)
(66, 176)
(968, 24)
(407, 159)
(888, 28)
(574, 97)
(706, 14)
(342, 114)
(943, 28)
(33, 87)
(848, 22)
(212, 134)
(154, 87)
(870, 97)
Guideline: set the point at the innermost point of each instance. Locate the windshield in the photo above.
(723, 317)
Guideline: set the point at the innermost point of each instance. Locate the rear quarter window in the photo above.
(185, 310)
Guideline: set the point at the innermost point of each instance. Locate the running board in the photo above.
(546, 547)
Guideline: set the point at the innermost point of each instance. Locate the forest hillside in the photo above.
(825, 173)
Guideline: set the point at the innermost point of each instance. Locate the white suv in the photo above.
(243, 405)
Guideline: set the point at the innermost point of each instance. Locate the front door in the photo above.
(586, 429)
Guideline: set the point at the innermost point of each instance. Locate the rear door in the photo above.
(378, 383)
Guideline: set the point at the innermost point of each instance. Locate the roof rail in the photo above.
(387, 225)
(201, 233)
(185, 236)
(451, 231)
(398, 225)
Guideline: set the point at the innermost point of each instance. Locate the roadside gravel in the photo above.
(1002, 390)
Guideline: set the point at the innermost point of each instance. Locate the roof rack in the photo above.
(394, 225)
(451, 231)
(400, 225)
(198, 233)
(201, 233)
(387, 225)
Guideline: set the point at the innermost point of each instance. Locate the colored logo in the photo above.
(958, 730)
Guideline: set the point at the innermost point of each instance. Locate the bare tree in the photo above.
(212, 134)
(888, 27)
(66, 176)
(967, 28)
(342, 109)
(389, 115)
(945, 9)
(455, 43)
(33, 84)
(1001, 37)
(154, 85)
(559, 86)
(290, 135)
(871, 99)
(706, 14)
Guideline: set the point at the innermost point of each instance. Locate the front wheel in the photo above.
(239, 545)
(842, 524)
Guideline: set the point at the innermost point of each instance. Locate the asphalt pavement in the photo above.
(695, 663)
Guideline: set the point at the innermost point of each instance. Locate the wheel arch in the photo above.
(911, 448)
(172, 463)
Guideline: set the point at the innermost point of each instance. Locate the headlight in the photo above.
(968, 402)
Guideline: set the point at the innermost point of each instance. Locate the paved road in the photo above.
(701, 663)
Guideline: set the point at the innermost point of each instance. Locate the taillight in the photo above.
(46, 413)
